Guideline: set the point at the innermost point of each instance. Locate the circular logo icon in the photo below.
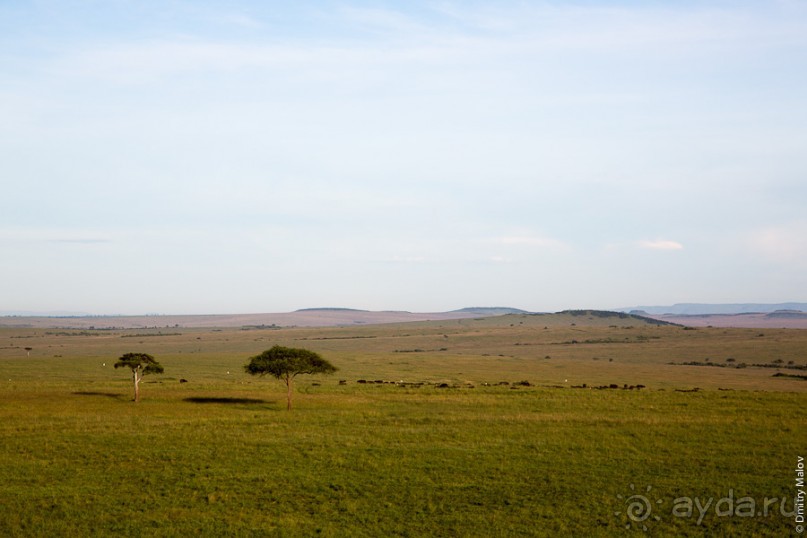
(638, 508)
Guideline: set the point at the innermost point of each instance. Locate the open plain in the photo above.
(515, 425)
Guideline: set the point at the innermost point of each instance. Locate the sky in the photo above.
(190, 157)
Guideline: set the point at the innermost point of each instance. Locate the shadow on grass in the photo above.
(215, 400)
(93, 393)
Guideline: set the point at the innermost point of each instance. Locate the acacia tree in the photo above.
(286, 363)
(141, 364)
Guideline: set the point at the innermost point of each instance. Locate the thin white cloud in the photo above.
(382, 20)
(781, 244)
(407, 259)
(530, 241)
(80, 241)
(53, 235)
(438, 40)
(661, 244)
(436, 142)
(242, 20)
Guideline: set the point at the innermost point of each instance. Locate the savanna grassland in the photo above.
(432, 443)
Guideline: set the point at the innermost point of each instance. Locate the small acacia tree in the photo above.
(141, 364)
(286, 363)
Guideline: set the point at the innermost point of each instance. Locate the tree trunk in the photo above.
(136, 386)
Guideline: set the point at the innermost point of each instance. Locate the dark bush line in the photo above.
(794, 376)
(440, 385)
(512, 386)
(146, 335)
(338, 337)
(612, 386)
(731, 364)
(638, 340)
(418, 350)
(73, 333)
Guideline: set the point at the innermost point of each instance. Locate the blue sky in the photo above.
(215, 157)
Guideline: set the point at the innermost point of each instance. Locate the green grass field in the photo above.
(220, 456)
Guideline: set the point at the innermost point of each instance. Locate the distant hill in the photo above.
(315, 317)
(490, 310)
(792, 316)
(51, 314)
(608, 314)
(702, 309)
(787, 314)
(330, 309)
(306, 317)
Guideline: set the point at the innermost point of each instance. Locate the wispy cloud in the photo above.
(500, 259)
(781, 244)
(382, 20)
(435, 140)
(407, 259)
(661, 244)
(52, 235)
(242, 20)
(80, 240)
(457, 37)
(530, 241)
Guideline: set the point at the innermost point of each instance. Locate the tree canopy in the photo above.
(141, 364)
(286, 363)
